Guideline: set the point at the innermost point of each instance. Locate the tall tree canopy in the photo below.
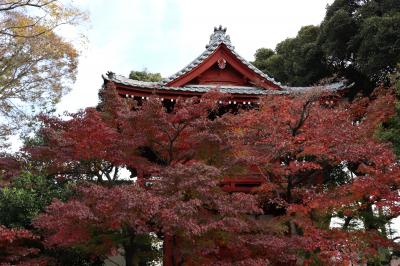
(296, 61)
(358, 39)
(361, 38)
(37, 66)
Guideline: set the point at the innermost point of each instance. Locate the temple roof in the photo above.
(216, 39)
(150, 86)
(189, 88)
(190, 80)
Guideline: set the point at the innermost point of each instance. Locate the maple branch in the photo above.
(172, 139)
(107, 171)
(303, 117)
(51, 29)
(347, 222)
(116, 170)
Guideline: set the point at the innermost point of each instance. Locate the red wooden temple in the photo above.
(218, 67)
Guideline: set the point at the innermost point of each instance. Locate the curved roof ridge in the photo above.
(110, 76)
(335, 86)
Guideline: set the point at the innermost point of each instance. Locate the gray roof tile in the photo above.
(129, 82)
(190, 88)
(225, 89)
(333, 87)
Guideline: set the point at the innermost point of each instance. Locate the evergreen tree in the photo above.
(145, 75)
(358, 40)
(297, 61)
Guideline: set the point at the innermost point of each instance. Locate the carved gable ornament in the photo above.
(221, 63)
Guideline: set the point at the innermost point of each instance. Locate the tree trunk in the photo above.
(370, 220)
(168, 256)
(171, 251)
(130, 255)
(383, 224)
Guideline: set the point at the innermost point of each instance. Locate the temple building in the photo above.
(219, 67)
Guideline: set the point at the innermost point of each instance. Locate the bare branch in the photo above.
(22, 4)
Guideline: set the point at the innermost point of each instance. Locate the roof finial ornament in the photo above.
(110, 74)
(220, 28)
(219, 36)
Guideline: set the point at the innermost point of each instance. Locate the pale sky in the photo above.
(165, 35)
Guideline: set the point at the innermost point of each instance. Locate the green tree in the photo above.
(27, 197)
(145, 75)
(271, 63)
(360, 39)
(378, 44)
(296, 61)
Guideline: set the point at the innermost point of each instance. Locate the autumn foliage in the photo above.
(15, 248)
(329, 188)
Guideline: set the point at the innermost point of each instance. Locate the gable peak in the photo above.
(219, 35)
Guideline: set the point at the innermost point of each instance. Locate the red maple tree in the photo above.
(315, 160)
(148, 142)
(101, 219)
(318, 163)
(15, 248)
